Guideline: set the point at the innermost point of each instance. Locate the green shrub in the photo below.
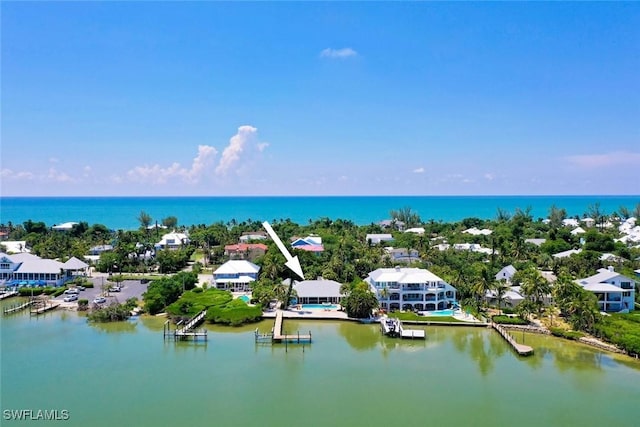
(27, 292)
(622, 330)
(88, 285)
(506, 320)
(570, 335)
(58, 292)
(508, 311)
(83, 304)
(197, 290)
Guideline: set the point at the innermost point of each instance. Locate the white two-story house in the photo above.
(414, 289)
(614, 291)
(236, 275)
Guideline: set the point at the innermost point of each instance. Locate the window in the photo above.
(5, 266)
(626, 294)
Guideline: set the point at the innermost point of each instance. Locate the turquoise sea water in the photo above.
(124, 373)
(122, 212)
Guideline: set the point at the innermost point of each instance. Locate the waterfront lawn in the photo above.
(413, 317)
(220, 306)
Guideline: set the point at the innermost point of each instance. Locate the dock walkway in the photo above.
(188, 331)
(38, 309)
(16, 308)
(8, 294)
(277, 335)
(521, 349)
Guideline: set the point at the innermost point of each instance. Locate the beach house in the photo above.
(614, 291)
(318, 291)
(235, 275)
(25, 269)
(506, 273)
(172, 241)
(414, 289)
(375, 239)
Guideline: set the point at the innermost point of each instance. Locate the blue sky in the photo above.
(209, 98)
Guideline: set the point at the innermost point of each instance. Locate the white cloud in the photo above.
(201, 162)
(614, 158)
(419, 170)
(489, 176)
(262, 146)
(157, 174)
(338, 53)
(58, 176)
(10, 174)
(231, 154)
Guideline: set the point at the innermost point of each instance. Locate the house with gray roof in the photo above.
(318, 291)
(614, 291)
(26, 269)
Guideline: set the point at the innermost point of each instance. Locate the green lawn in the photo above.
(414, 317)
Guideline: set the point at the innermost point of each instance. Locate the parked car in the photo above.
(80, 288)
(72, 291)
(72, 297)
(115, 289)
(99, 300)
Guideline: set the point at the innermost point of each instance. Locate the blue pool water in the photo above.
(320, 306)
(448, 312)
(245, 298)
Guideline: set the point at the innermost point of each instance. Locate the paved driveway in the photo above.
(130, 288)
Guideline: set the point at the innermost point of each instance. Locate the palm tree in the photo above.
(500, 287)
(534, 287)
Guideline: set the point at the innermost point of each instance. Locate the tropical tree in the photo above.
(170, 222)
(406, 215)
(500, 287)
(534, 286)
(359, 301)
(144, 219)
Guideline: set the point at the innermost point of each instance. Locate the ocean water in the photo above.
(122, 212)
(124, 373)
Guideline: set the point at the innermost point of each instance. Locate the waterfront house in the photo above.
(25, 269)
(506, 273)
(577, 230)
(172, 241)
(614, 291)
(318, 291)
(570, 222)
(235, 275)
(248, 251)
(415, 289)
(375, 239)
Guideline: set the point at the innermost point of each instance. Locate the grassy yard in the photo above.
(409, 316)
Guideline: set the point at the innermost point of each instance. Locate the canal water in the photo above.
(126, 374)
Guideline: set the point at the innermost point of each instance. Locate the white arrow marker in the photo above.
(292, 261)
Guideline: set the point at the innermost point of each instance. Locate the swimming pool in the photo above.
(448, 312)
(245, 298)
(320, 306)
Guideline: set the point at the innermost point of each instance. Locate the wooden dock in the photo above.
(16, 308)
(277, 336)
(41, 308)
(521, 349)
(188, 331)
(8, 294)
